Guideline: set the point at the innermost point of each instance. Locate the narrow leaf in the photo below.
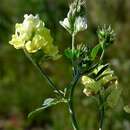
(47, 103)
(95, 51)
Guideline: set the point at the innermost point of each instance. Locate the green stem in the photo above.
(102, 55)
(43, 74)
(72, 86)
(73, 40)
(71, 107)
(101, 111)
(73, 48)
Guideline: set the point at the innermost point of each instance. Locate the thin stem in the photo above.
(73, 47)
(71, 107)
(101, 111)
(73, 40)
(102, 55)
(73, 84)
(43, 74)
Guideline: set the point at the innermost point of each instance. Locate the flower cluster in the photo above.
(32, 35)
(106, 36)
(75, 20)
(105, 83)
(94, 85)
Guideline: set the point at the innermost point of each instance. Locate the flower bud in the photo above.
(106, 36)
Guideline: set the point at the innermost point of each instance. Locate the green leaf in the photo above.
(114, 97)
(71, 54)
(68, 53)
(95, 51)
(127, 109)
(47, 103)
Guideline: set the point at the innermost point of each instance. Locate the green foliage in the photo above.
(95, 51)
(72, 54)
(22, 88)
(114, 97)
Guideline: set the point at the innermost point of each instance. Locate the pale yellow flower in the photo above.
(33, 36)
(106, 78)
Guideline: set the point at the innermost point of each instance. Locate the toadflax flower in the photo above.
(32, 35)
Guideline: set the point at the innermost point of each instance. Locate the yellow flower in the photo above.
(34, 45)
(105, 79)
(91, 86)
(17, 42)
(32, 35)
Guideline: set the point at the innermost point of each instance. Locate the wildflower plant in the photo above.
(88, 67)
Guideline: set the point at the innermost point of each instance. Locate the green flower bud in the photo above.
(106, 36)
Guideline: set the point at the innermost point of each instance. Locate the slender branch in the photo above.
(43, 74)
(102, 55)
(73, 40)
(71, 90)
(76, 77)
(70, 105)
(73, 48)
(101, 111)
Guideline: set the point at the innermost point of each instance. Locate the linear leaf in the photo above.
(95, 51)
(47, 103)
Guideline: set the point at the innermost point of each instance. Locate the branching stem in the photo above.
(71, 107)
(43, 74)
(72, 88)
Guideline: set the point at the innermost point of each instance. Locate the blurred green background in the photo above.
(21, 87)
